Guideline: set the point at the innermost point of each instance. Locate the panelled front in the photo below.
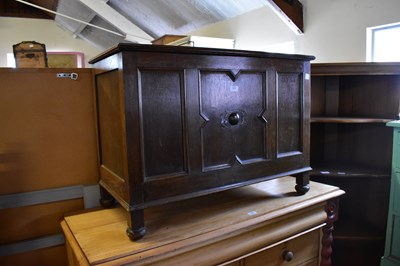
(202, 123)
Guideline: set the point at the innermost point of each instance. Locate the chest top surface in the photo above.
(129, 47)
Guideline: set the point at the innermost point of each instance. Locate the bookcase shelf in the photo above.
(354, 120)
(351, 147)
(349, 172)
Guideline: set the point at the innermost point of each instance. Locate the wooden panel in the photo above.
(358, 96)
(44, 257)
(48, 136)
(17, 9)
(223, 95)
(334, 142)
(289, 91)
(163, 118)
(318, 96)
(292, 12)
(22, 223)
(355, 145)
(111, 126)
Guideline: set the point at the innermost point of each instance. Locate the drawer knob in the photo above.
(234, 118)
(287, 255)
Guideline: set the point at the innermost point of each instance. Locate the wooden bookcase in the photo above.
(351, 148)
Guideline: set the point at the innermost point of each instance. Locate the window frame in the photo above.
(371, 37)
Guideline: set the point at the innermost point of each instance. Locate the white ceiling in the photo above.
(144, 20)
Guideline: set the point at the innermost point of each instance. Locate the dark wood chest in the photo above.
(181, 122)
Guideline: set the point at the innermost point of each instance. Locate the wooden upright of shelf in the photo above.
(392, 247)
(351, 148)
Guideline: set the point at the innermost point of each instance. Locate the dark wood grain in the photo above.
(195, 121)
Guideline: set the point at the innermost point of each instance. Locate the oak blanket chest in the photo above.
(181, 122)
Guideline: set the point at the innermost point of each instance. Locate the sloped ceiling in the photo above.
(154, 18)
(104, 23)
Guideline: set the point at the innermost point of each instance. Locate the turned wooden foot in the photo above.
(135, 235)
(136, 229)
(106, 200)
(302, 189)
(302, 183)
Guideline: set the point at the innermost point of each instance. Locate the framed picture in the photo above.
(65, 60)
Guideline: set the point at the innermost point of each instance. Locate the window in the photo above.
(383, 43)
(10, 60)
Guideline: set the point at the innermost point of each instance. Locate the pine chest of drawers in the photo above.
(181, 122)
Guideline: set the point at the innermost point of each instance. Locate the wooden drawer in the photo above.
(305, 250)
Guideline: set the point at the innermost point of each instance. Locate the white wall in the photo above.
(259, 30)
(335, 30)
(15, 30)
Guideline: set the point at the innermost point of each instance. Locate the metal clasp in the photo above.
(73, 76)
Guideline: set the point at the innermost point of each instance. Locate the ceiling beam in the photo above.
(15, 9)
(132, 32)
(291, 12)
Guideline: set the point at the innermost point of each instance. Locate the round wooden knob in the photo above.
(287, 255)
(234, 118)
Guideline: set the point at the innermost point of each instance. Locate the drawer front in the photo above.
(303, 250)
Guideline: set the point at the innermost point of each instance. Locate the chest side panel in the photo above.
(289, 113)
